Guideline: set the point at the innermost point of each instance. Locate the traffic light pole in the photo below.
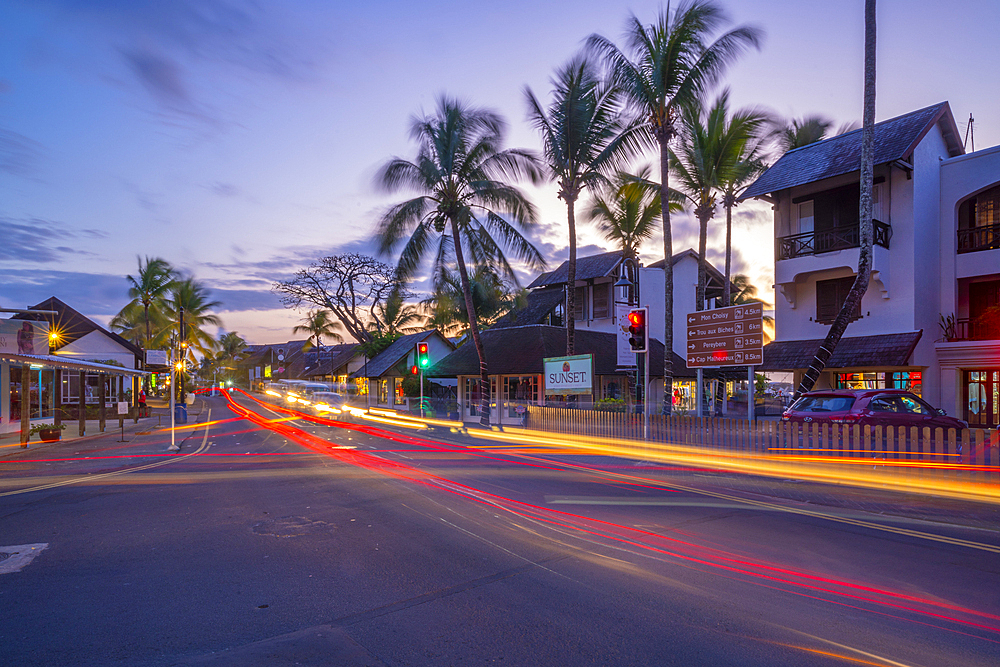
(421, 393)
(645, 399)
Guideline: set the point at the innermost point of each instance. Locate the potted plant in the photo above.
(47, 432)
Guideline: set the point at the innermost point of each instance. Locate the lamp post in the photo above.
(627, 285)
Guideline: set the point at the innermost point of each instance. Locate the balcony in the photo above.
(817, 243)
(978, 329)
(979, 238)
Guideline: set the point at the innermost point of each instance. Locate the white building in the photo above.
(936, 261)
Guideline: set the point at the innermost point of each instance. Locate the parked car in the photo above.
(868, 407)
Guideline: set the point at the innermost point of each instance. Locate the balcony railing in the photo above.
(840, 238)
(979, 238)
(968, 329)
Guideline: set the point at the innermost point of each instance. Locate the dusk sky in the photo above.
(238, 140)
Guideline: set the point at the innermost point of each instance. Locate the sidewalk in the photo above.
(150, 428)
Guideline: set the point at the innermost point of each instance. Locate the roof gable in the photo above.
(587, 268)
(72, 326)
(894, 140)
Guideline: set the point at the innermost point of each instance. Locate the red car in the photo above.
(868, 407)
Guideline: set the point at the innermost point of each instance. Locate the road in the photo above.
(270, 540)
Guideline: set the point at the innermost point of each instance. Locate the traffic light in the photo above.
(414, 369)
(422, 360)
(637, 330)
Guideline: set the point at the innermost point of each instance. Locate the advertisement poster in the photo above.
(24, 337)
(569, 375)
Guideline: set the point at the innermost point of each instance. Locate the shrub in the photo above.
(611, 405)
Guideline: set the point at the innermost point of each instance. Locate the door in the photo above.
(982, 398)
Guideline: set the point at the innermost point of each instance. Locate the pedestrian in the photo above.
(142, 403)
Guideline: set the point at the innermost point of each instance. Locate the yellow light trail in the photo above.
(897, 475)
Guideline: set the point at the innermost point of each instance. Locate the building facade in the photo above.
(923, 322)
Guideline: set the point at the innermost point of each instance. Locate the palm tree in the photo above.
(626, 212)
(789, 134)
(672, 63)
(395, 317)
(148, 289)
(739, 163)
(492, 297)
(860, 285)
(189, 295)
(695, 163)
(460, 173)
(318, 323)
(583, 135)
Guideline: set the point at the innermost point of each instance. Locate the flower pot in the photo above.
(50, 435)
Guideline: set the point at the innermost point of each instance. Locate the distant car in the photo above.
(868, 407)
(322, 401)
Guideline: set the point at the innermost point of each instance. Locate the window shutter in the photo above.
(830, 297)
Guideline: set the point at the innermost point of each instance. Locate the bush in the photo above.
(611, 405)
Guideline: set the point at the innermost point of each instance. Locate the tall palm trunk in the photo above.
(571, 276)
(726, 296)
(663, 136)
(839, 325)
(704, 216)
(484, 379)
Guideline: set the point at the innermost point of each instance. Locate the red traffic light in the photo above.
(414, 370)
(638, 332)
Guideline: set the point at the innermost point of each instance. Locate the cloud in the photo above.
(94, 295)
(30, 240)
(246, 299)
(161, 76)
(18, 154)
(225, 189)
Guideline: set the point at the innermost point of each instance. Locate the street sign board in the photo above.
(731, 336)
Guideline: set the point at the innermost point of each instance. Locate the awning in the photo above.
(883, 351)
(53, 361)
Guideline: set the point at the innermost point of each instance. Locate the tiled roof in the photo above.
(520, 350)
(334, 358)
(587, 268)
(540, 304)
(895, 139)
(859, 352)
(395, 353)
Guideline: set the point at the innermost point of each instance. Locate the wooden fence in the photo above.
(967, 449)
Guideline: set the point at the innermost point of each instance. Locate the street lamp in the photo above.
(630, 265)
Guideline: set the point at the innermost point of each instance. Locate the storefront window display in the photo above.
(684, 395)
(383, 391)
(519, 392)
(398, 397)
(908, 380)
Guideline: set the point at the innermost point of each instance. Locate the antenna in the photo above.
(970, 133)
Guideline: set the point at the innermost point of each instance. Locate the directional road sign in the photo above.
(731, 336)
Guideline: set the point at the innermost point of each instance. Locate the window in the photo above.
(580, 310)
(805, 217)
(913, 406)
(399, 398)
(824, 404)
(830, 297)
(602, 300)
(556, 315)
(882, 404)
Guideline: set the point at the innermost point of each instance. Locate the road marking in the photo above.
(116, 473)
(15, 558)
